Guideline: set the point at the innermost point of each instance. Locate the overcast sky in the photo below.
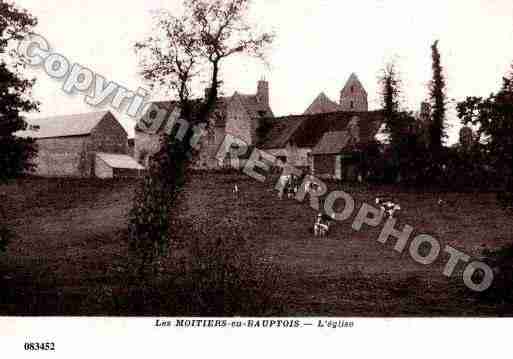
(319, 44)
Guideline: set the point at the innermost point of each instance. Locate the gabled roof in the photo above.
(332, 143)
(254, 107)
(321, 104)
(63, 126)
(353, 80)
(119, 161)
(307, 130)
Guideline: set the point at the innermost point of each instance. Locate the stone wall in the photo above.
(64, 157)
(101, 169)
(324, 165)
(109, 137)
(295, 156)
(238, 122)
(354, 97)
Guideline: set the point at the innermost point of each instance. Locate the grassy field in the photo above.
(70, 256)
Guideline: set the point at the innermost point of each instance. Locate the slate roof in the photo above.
(63, 126)
(307, 130)
(322, 104)
(332, 143)
(254, 107)
(119, 161)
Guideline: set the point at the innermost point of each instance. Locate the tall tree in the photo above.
(15, 153)
(438, 99)
(182, 51)
(493, 116)
(401, 127)
(390, 91)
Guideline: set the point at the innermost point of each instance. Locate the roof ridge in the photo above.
(64, 116)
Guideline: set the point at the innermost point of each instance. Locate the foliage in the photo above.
(405, 160)
(390, 91)
(181, 51)
(500, 261)
(493, 117)
(228, 275)
(438, 98)
(15, 153)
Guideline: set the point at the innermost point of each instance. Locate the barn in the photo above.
(68, 145)
(329, 144)
(111, 165)
(333, 156)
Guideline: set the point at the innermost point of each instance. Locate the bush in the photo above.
(227, 276)
(5, 237)
(501, 261)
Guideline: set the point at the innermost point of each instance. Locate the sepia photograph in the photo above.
(255, 165)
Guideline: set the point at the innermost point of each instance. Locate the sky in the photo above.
(318, 45)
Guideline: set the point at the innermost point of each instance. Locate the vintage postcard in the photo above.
(320, 176)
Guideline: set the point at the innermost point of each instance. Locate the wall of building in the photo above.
(239, 124)
(126, 173)
(295, 156)
(63, 157)
(354, 97)
(324, 165)
(109, 137)
(101, 169)
(210, 144)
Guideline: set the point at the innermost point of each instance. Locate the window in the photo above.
(282, 159)
(34, 127)
(351, 104)
(352, 89)
(261, 113)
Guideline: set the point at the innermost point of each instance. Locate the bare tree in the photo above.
(181, 51)
(184, 48)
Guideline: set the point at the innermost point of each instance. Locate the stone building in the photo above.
(327, 136)
(68, 145)
(238, 115)
(251, 119)
(318, 142)
(353, 97)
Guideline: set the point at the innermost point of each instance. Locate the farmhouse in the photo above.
(327, 143)
(81, 145)
(238, 115)
(290, 138)
(329, 137)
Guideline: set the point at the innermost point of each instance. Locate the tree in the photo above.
(438, 99)
(182, 51)
(404, 157)
(390, 90)
(493, 116)
(15, 153)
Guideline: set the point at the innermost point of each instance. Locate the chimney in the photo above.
(263, 91)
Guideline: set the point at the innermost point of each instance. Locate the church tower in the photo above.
(353, 96)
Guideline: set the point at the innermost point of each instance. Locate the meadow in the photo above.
(70, 255)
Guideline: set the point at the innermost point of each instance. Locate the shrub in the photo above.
(501, 291)
(227, 275)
